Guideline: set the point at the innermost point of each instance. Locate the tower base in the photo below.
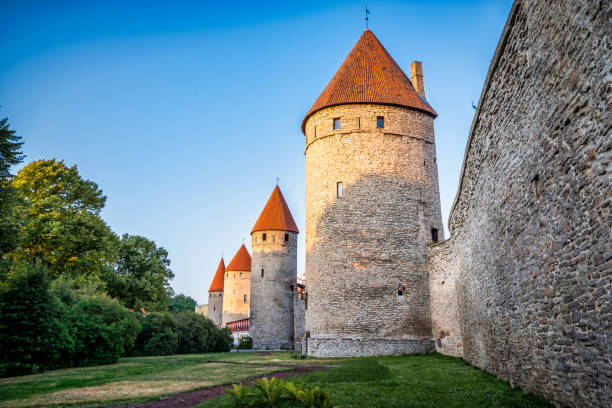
(321, 347)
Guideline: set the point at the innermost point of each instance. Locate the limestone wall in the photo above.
(272, 316)
(215, 306)
(299, 320)
(236, 285)
(367, 247)
(444, 311)
(531, 237)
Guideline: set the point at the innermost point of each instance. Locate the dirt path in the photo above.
(192, 398)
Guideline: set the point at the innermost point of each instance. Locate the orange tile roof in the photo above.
(369, 75)
(241, 261)
(275, 215)
(217, 283)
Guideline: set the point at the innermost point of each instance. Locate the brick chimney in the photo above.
(417, 77)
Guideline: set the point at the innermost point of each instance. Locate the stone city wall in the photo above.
(531, 243)
(236, 285)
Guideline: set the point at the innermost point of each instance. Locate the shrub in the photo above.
(33, 332)
(196, 333)
(103, 330)
(246, 343)
(158, 335)
(272, 389)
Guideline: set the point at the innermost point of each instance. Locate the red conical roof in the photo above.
(241, 261)
(275, 215)
(370, 75)
(217, 282)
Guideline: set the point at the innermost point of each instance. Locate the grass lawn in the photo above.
(432, 380)
(135, 379)
(405, 381)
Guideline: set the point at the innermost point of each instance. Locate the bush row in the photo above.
(44, 326)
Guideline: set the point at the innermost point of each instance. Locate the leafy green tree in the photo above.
(180, 302)
(62, 227)
(158, 335)
(142, 274)
(34, 334)
(10, 155)
(196, 333)
(103, 330)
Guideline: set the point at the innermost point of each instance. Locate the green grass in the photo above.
(430, 380)
(134, 379)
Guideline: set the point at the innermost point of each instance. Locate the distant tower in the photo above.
(237, 287)
(372, 206)
(215, 295)
(274, 276)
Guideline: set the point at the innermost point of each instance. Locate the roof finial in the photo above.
(366, 16)
(242, 241)
(277, 180)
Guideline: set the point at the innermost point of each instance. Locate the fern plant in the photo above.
(240, 394)
(272, 389)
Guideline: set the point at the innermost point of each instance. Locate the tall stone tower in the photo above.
(274, 276)
(372, 206)
(215, 295)
(237, 287)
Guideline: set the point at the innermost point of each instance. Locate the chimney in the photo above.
(417, 77)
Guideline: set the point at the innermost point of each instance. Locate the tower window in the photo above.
(245, 299)
(380, 122)
(286, 237)
(214, 307)
(434, 234)
(336, 123)
(358, 123)
(263, 236)
(315, 131)
(306, 300)
(291, 288)
(241, 274)
(339, 189)
(262, 272)
(227, 275)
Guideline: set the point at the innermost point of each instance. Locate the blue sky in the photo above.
(185, 112)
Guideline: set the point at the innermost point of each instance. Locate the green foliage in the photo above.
(272, 389)
(158, 335)
(103, 329)
(10, 154)
(196, 333)
(33, 330)
(61, 226)
(142, 276)
(180, 302)
(246, 343)
(241, 395)
(224, 340)
(314, 398)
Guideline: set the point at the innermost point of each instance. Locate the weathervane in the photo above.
(366, 15)
(277, 180)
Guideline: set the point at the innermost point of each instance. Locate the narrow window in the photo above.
(306, 300)
(339, 189)
(262, 273)
(263, 236)
(336, 123)
(245, 299)
(535, 182)
(358, 123)
(234, 292)
(241, 274)
(434, 234)
(214, 307)
(380, 122)
(227, 275)
(315, 131)
(286, 237)
(291, 288)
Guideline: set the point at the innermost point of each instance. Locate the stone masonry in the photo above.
(530, 254)
(273, 283)
(215, 306)
(367, 284)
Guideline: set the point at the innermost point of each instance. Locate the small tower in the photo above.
(237, 287)
(274, 277)
(215, 295)
(372, 206)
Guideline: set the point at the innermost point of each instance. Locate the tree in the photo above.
(33, 332)
(143, 274)
(196, 333)
(180, 302)
(62, 227)
(10, 155)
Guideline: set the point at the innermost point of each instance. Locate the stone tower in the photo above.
(237, 287)
(372, 206)
(215, 295)
(274, 276)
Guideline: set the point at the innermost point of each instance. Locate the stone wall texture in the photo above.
(299, 313)
(272, 317)
(366, 276)
(215, 307)
(531, 248)
(236, 285)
